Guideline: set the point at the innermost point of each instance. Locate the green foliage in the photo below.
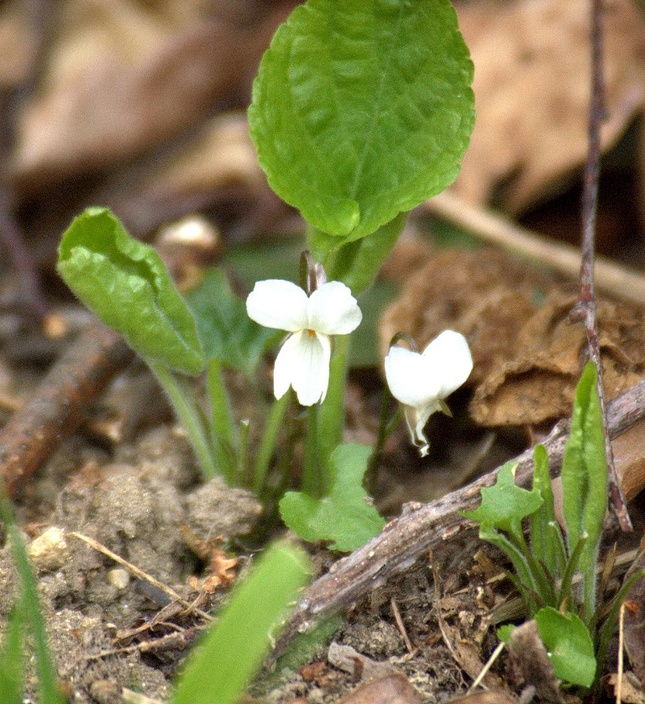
(545, 572)
(584, 484)
(26, 619)
(362, 110)
(569, 645)
(345, 517)
(225, 330)
(224, 663)
(127, 285)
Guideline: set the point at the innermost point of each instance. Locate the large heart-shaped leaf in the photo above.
(362, 109)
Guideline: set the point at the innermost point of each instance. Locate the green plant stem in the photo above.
(311, 474)
(190, 417)
(267, 449)
(243, 468)
(385, 428)
(224, 437)
(332, 410)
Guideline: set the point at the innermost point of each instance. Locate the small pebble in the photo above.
(49, 551)
(119, 578)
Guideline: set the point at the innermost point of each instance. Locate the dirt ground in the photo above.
(140, 106)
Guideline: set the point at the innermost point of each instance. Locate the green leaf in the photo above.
(344, 516)
(504, 632)
(11, 658)
(128, 286)
(225, 330)
(569, 646)
(357, 263)
(362, 110)
(504, 504)
(542, 544)
(30, 613)
(232, 651)
(585, 480)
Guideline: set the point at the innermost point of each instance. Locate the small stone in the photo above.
(49, 551)
(119, 578)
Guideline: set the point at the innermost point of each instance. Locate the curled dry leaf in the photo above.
(536, 382)
(532, 92)
(485, 295)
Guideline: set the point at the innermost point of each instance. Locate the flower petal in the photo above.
(408, 378)
(416, 423)
(332, 310)
(303, 362)
(447, 360)
(279, 304)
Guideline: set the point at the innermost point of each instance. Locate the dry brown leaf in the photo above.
(536, 382)
(390, 689)
(527, 355)
(485, 295)
(532, 92)
(124, 77)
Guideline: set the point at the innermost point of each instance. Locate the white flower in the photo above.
(421, 381)
(303, 360)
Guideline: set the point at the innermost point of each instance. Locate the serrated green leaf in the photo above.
(569, 646)
(225, 329)
(233, 649)
(504, 504)
(127, 285)
(345, 517)
(362, 110)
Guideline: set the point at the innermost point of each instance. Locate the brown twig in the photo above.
(585, 309)
(32, 433)
(426, 526)
(611, 277)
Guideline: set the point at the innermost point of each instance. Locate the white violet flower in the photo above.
(303, 360)
(422, 381)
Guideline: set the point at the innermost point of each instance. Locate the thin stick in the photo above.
(32, 433)
(140, 574)
(417, 530)
(585, 309)
(611, 278)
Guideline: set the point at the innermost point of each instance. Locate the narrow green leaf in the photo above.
(224, 327)
(30, 606)
(504, 504)
(362, 110)
(569, 646)
(585, 480)
(11, 658)
(223, 665)
(542, 545)
(128, 286)
(345, 517)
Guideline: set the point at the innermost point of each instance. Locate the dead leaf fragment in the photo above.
(485, 295)
(531, 663)
(536, 381)
(390, 689)
(532, 92)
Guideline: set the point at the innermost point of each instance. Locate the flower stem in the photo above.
(190, 416)
(332, 410)
(224, 436)
(311, 474)
(267, 448)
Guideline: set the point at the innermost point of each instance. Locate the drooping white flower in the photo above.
(422, 381)
(303, 360)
